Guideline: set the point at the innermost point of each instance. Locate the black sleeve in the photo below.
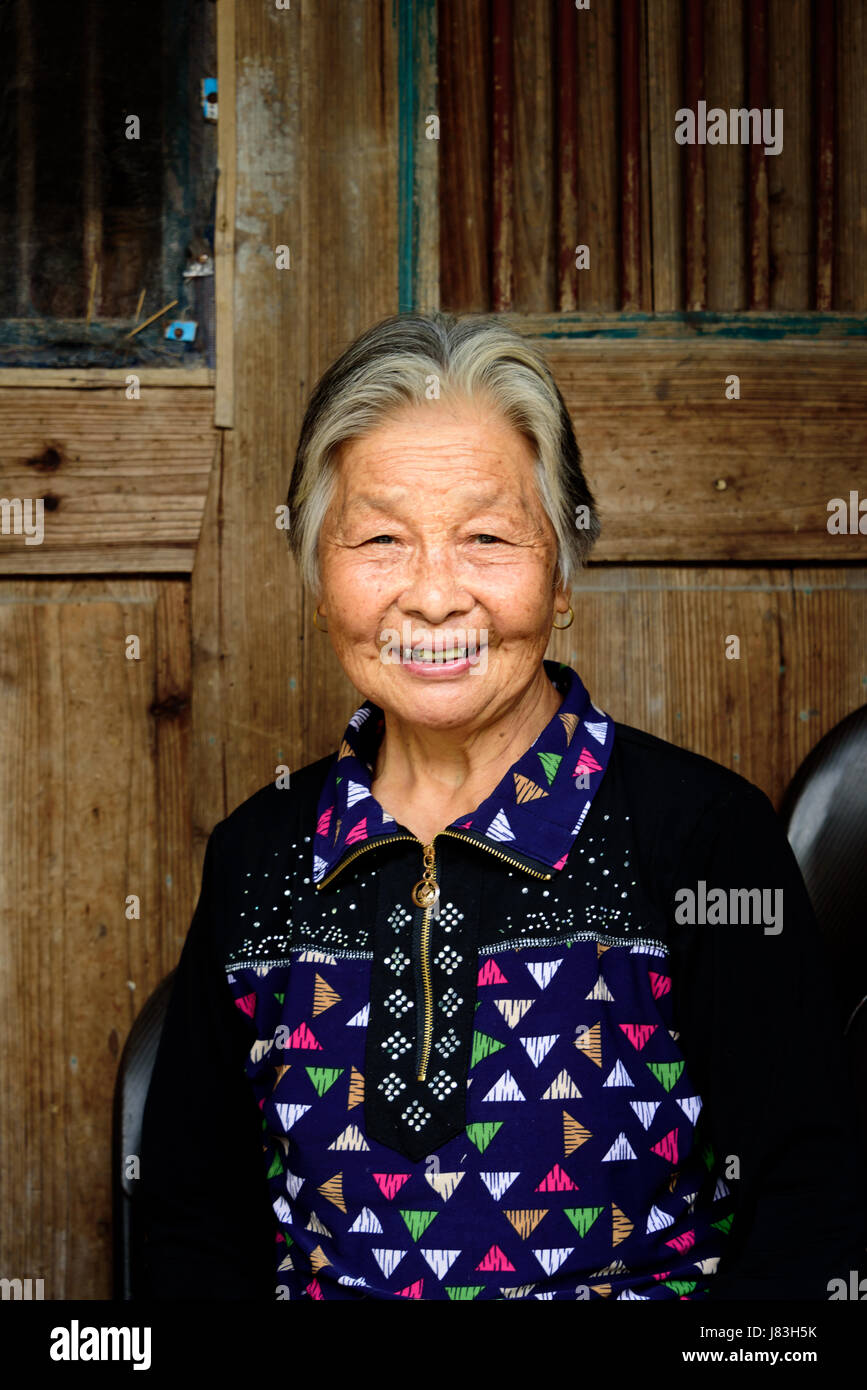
(761, 1034)
(204, 1213)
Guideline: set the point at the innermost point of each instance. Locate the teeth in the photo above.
(421, 654)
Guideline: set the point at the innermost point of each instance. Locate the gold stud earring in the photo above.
(561, 626)
(316, 621)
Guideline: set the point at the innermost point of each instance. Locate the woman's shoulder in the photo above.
(674, 781)
(290, 799)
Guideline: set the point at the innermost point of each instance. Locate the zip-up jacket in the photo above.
(583, 1045)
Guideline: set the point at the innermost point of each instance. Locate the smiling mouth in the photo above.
(431, 657)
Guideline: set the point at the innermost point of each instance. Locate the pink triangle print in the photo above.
(302, 1037)
(495, 1261)
(390, 1184)
(639, 1033)
(557, 1181)
(586, 763)
(247, 1004)
(358, 832)
(491, 974)
(659, 984)
(324, 821)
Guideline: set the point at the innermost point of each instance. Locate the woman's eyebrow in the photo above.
(474, 500)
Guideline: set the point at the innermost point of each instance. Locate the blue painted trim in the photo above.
(690, 325)
(407, 92)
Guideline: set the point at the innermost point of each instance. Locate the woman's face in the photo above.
(436, 538)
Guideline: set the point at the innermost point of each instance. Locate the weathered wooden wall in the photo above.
(113, 772)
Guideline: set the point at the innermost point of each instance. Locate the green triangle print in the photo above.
(463, 1293)
(276, 1167)
(280, 997)
(323, 1077)
(666, 1073)
(482, 1133)
(550, 762)
(582, 1218)
(725, 1224)
(681, 1286)
(417, 1222)
(484, 1046)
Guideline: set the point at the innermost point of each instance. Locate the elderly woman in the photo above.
(503, 998)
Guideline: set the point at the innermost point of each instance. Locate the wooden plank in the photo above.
(123, 482)
(665, 79)
(598, 184)
(825, 23)
(850, 292)
(630, 158)
(224, 217)
(502, 158)
(465, 204)
(725, 165)
(78, 839)
(650, 645)
(566, 158)
(535, 173)
(790, 173)
(757, 88)
(658, 437)
(103, 378)
(696, 183)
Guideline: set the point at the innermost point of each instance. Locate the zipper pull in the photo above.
(426, 892)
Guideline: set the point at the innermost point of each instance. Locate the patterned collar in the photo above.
(535, 812)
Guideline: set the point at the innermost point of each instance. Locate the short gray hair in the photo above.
(391, 365)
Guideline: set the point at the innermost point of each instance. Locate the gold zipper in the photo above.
(425, 894)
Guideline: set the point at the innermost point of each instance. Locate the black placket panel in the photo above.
(422, 1003)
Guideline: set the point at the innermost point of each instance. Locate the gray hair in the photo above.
(400, 361)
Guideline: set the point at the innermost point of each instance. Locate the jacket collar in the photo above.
(535, 812)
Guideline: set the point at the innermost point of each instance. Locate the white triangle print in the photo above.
(319, 866)
(359, 717)
(386, 818)
(621, 1148)
(600, 991)
(551, 1260)
(351, 1279)
(360, 1019)
(709, 1265)
(562, 1088)
(356, 791)
(519, 1291)
(513, 1010)
(351, 1139)
(690, 1105)
(388, 1260)
(720, 1191)
(543, 971)
(498, 1183)
(290, 1114)
(294, 1184)
(440, 1261)
(444, 1184)
(282, 1210)
(314, 1224)
(597, 731)
(506, 1088)
(548, 1296)
(618, 1076)
(658, 1220)
(499, 828)
(538, 1048)
(367, 1223)
(645, 1110)
(628, 1296)
(580, 821)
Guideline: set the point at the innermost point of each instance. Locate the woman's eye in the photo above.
(483, 536)
(374, 539)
